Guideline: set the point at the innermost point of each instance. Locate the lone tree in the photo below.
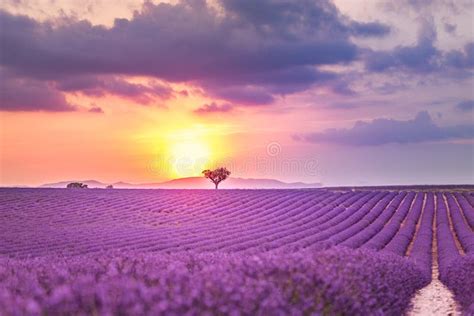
(216, 176)
(76, 185)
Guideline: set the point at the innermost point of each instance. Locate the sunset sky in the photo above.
(350, 92)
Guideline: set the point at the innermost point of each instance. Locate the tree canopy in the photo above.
(217, 175)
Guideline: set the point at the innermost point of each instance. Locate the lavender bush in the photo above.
(335, 281)
(459, 278)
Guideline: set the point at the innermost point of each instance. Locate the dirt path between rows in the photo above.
(435, 298)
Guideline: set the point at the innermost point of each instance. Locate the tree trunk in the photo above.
(216, 185)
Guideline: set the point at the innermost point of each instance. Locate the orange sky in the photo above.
(131, 142)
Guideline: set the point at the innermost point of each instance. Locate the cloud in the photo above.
(450, 28)
(243, 52)
(31, 95)
(465, 106)
(96, 109)
(461, 58)
(370, 29)
(243, 95)
(261, 88)
(100, 86)
(214, 108)
(262, 48)
(417, 6)
(278, 14)
(423, 57)
(183, 93)
(384, 131)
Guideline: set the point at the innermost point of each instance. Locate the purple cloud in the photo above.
(17, 94)
(261, 88)
(246, 53)
(184, 93)
(95, 109)
(100, 86)
(418, 6)
(461, 58)
(450, 28)
(214, 108)
(423, 57)
(257, 50)
(370, 29)
(243, 95)
(384, 131)
(465, 106)
(279, 14)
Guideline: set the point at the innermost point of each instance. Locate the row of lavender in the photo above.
(455, 240)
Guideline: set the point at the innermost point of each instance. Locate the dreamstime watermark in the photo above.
(272, 163)
(273, 149)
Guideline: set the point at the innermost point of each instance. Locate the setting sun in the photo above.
(189, 150)
(189, 158)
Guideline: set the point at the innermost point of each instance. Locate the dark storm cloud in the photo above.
(384, 131)
(256, 49)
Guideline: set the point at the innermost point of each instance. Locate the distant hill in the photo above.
(63, 184)
(194, 183)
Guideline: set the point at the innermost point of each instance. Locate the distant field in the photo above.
(338, 247)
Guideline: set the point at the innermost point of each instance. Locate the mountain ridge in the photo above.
(193, 183)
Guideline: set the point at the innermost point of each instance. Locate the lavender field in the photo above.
(236, 252)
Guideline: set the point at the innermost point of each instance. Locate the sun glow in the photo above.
(190, 151)
(184, 150)
(189, 159)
